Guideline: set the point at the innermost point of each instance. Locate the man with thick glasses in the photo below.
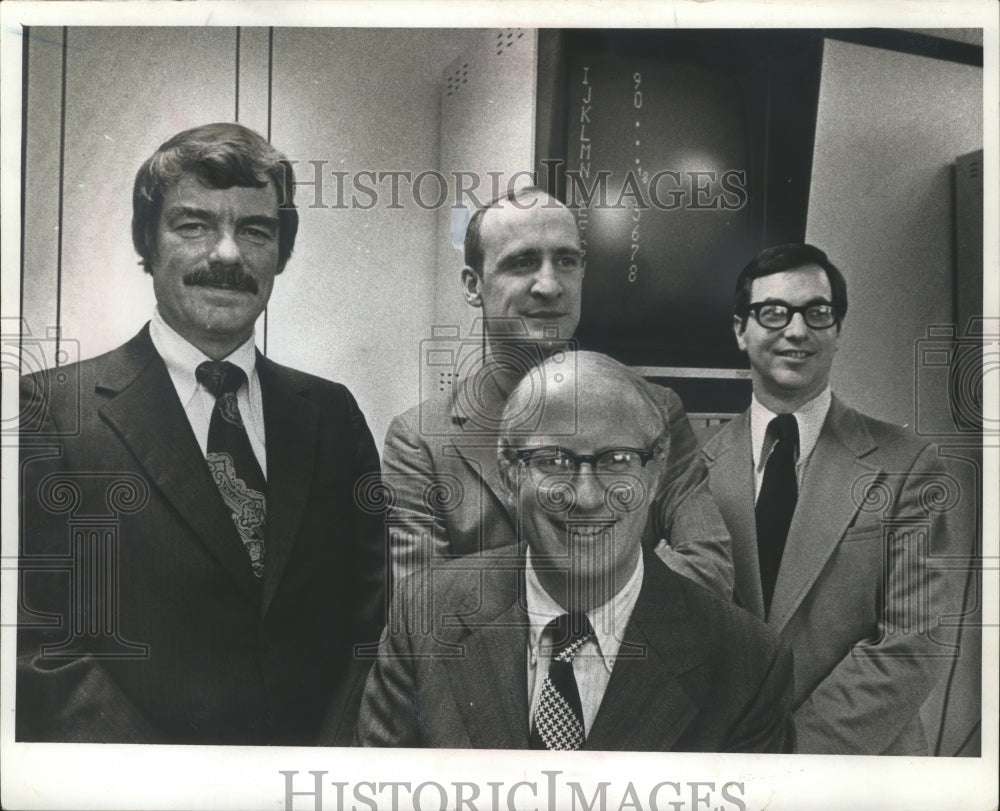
(580, 638)
(829, 520)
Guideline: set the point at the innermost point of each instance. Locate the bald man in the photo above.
(578, 638)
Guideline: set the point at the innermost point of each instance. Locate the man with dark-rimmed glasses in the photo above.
(580, 638)
(831, 530)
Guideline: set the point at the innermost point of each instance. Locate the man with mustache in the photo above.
(580, 638)
(524, 269)
(225, 604)
(833, 520)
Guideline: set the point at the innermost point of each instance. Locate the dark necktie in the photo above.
(558, 719)
(779, 492)
(231, 459)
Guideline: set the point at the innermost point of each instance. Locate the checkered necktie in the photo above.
(231, 459)
(558, 720)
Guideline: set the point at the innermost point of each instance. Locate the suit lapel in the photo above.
(645, 706)
(143, 408)
(474, 435)
(479, 452)
(291, 427)
(489, 681)
(730, 461)
(825, 509)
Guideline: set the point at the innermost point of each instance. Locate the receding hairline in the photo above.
(510, 202)
(486, 238)
(587, 366)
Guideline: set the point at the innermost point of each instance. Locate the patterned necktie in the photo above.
(558, 720)
(231, 459)
(779, 491)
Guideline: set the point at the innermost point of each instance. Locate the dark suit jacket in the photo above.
(440, 460)
(694, 673)
(855, 596)
(185, 645)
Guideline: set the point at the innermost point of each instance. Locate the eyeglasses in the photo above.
(552, 459)
(778, 314)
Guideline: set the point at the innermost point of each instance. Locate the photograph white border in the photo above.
(42, 776)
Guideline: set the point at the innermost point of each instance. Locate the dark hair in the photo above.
(221, 155)
(789, 256)
(473, 233)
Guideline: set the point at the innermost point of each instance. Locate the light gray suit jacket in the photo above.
(856, 597)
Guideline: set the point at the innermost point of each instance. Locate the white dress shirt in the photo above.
(182, 358)
(595, 660)
(809, 419)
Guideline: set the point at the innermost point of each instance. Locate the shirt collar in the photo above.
(182, 357)
(810, 418)
(608, 620)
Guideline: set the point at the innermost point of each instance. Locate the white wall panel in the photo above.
(127, 90)
(41, 170)
(889, 126)
(487, 125)
(358, 293)
(254, 87)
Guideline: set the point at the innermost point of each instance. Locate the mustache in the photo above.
(231, 276)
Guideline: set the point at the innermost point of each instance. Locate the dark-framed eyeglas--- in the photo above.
(547, 460)
(778, 314)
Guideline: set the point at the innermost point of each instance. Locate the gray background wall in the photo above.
(888, 129)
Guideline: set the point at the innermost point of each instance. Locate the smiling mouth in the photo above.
(588, 532)
(795, 354)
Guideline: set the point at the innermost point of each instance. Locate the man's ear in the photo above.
(472, 284)
(660, 464)
(507, 479)
(739, 330)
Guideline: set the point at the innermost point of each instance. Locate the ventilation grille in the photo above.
(971, 166)
(506, 37)
(445, 381)
(455, 78)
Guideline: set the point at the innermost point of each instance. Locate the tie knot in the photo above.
(784, 428)
(220, 376)
(568, 633)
